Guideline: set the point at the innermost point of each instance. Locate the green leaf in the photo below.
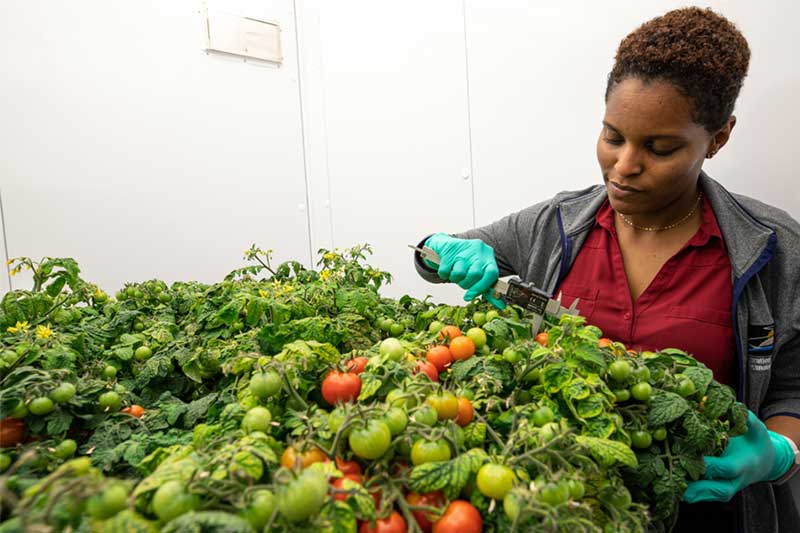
(719, 399)
(474, 435)
(737, 416)
(577, 390)
(665, 407)
(700, 376)
(591, 407)
(448, 476)
(338, 517)
(698, 432)
(58, 423)
(198, 409)
(694, 465)
(370, 384)
(600, 426)
(556, 376)
(607, 452)
(130, 522)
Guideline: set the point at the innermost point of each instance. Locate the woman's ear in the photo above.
(719, 139)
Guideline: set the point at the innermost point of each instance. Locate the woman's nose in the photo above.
(628, 161)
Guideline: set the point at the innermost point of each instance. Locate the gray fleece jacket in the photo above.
(540, 243)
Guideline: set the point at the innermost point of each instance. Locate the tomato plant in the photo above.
(371, 441)
(264, 385)
(425, 451)
(495, 481)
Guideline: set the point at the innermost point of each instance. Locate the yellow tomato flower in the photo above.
(43, 332)
(21, 326)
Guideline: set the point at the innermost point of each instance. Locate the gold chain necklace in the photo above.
(663, 228)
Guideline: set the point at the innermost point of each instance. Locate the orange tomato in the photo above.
(465, 412)
(604, 342)
(290, 458)
(450, 332)
(541, 338)
(134, 410)
(462, 348)
(440, 357)
(348, 467)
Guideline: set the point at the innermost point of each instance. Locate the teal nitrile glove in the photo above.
(468, 262)
(758, 455)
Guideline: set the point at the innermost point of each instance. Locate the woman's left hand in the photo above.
(758, 455)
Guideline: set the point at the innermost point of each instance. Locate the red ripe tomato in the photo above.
(541, 338)
(440, 357)
(394, 523)
(341, 387)
(428, 368)
(12, 432)
(356, 364)
(338, 483)
(348, 467)
(449, 332)
(460, 517)
(432, 499)
(465, 412)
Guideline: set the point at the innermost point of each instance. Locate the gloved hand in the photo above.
(468, 262)
(758, 455)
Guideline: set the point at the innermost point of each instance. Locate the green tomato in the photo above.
(304, 496)
(260, 508)
(435, 326)
(5, 461)
(620, 371)
(642, 373)
(511, 355)
(543, 415)
(264, 385)
(138, 326)
(686, 387)
(142, 353)
(396, 329)
(65, 449)
(336, 419)
(164, 297)
(495, 481)
(641, 439)
(392, 349)
(426, 415)
(173, 499)
(108, 503)
(479, 318)
(549, 431)
(618, 497)
(20, 411)
(621, 395)
(576, 489)
(371, 441)
(491, 315)
(385, 324)
(478, 337)
(660, 434)
(257, 419)
(41, 405)
(63, 393)
(511, 506)
(109, 372)
(426, 451)
(396, 419)
(554, 493)
(642, 391)
(400, 398)
(110, 401)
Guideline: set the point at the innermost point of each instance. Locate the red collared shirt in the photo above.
(687, 305)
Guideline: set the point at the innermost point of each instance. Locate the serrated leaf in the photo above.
(737, 416)
(370, 384)
(448, 476)
(577, 390)
(665, 407)
(360, 500)
(719, 399)
(208, 522)
(700, 376)
(698, 432)
(607, 452)
(338, 517)
(58, 423)
(591, 407)
(694, 466)
(555, 377)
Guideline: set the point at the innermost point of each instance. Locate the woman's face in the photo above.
(650, 150)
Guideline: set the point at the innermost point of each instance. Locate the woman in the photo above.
(664, 256)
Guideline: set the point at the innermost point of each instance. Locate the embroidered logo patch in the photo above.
(760, 344)
(760, 339)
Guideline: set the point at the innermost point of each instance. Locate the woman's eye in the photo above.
(616, 141)
(660, 151)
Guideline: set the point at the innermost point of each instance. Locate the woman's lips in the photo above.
(621, 190)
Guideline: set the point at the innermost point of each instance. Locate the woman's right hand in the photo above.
(470, 263)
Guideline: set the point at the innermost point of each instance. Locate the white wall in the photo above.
(123, 145)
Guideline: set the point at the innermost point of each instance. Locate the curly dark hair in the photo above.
(699, 51)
